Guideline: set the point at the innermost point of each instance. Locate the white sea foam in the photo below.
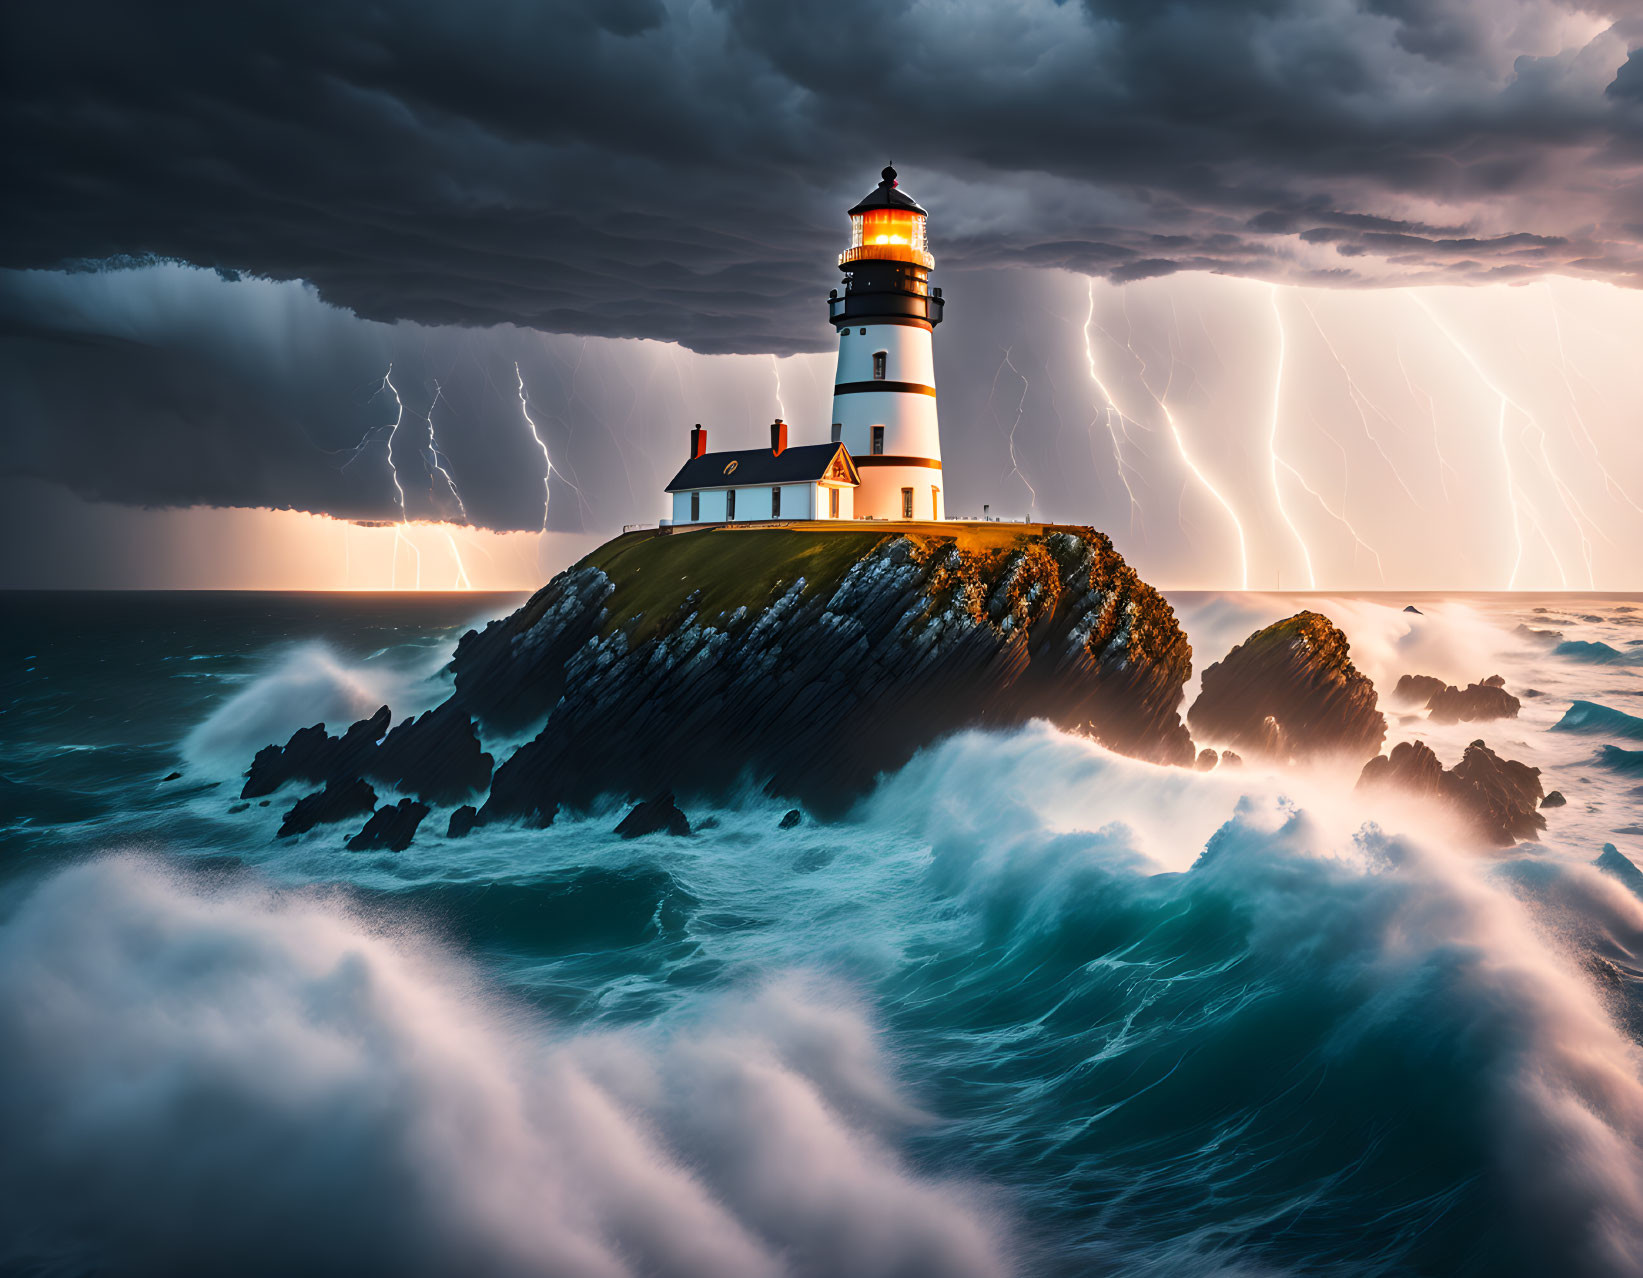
(233, 1079)
(306, 684)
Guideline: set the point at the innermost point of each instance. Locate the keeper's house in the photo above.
(812, 481)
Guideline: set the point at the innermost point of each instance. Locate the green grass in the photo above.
(736, 567)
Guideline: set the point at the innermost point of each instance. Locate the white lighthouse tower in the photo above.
(884, 391)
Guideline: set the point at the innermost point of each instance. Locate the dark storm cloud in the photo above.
(679, 171)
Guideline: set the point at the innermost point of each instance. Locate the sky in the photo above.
(1337, 294)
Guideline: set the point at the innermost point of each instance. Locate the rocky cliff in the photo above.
(807, 662)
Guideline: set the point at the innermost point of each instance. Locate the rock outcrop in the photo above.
(1417, 690)
(1288, 692)
(338, 801)
(660, 815)
(1500, 796)
(812, 662)
(1475, 703)
(391, 827)
(436, 757)
(311, 755)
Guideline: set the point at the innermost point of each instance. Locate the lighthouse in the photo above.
(884, 387)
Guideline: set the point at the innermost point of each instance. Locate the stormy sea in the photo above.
(1029, 1007)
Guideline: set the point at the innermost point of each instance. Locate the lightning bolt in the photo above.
(1111, 409)
(1609, 481)
(1432, 414)
(393, 470)
(1272, 439)
(1361, 400)
(1179, 440)
(776, 368)
(1526, 511)
(434, 454)
(1338, 516)
(462, 580)
(1020, 409)
(547, 462)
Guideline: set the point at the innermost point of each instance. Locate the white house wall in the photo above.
(798, 502)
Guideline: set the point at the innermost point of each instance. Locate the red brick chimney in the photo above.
(778, 437)
(698, 441)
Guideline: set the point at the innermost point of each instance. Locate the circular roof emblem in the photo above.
(730, 466)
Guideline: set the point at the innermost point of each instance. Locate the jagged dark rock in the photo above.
(1288, 692)
(814, 661)
(1231, 759)
(437, 757)
(1207, 759)
(1507, 794)
(238, 807)
(391, 827)
(654, 816)
(1500, 796)
(462, 821)
(1553, 799)
(1475, 703)
(311, 755)
(790, 820)
(336, 802)
(1413, 609)
(1417, 690)
(171, 776)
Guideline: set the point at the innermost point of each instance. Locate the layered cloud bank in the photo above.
(673, 171)
(1225, 432)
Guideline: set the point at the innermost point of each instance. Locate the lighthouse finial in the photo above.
(889, 175)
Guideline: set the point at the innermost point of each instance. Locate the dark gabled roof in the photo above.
(887, 196)
(756, 466)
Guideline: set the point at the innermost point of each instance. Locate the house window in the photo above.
(878, 441)
(695, 508)
(935, 502)
(906, 503)
(775, 503)
(730, 504)
(833, 502)
(838, 432)
(879, 358)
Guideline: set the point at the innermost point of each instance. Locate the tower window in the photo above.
(730, 504)
(833, 502)
(864, 332)
(935, 502)
(775, 503)
(695, 508)
(838, 431)
(906, 503)
(879, 360)
(878, 441)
